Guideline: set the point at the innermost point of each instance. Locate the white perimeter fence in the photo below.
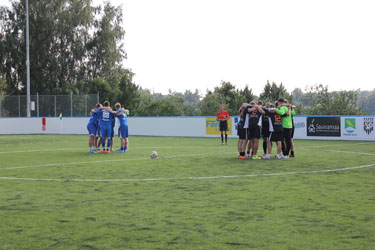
(306, 127)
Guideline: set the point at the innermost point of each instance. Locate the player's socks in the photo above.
(108, 144)
(292, 153)
(265, 147)
(226, 139)
(126, 148)
(222, 138)
(103, 143)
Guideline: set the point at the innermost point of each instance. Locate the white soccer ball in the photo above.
(154, 154)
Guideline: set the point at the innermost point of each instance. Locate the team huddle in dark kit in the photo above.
(272, 122)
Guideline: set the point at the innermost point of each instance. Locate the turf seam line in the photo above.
(73, 149)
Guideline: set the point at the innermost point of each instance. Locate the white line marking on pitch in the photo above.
(190, 178)
(350, 152)
(335, 145)
(115, 160)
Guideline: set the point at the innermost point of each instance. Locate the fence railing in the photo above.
(48, 105)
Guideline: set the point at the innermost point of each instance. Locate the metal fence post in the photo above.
(97, 97)
(37, 104)
(0, 103)
(55, 106)
(71, 104)
(19, 106)
(85, 104)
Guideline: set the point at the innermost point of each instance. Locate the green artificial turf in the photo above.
(195, 195)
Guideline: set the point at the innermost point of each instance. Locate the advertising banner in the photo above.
(323, 126)
(358, 128)
(368, 125)
(213, 126)
(350, 127)
(299, 127)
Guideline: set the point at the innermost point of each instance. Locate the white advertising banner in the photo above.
(299, 127)
(306, 127)
(357, 128)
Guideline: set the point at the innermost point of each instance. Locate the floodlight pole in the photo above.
(27, 61)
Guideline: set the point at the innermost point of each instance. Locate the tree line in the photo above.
(79, 48)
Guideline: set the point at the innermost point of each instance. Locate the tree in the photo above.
(105, 48)
(272, 92)
(2, 86)
(232, 99)
(210, 103)
(324, 102)
(99, 85)
(71, 43)
(366, 100)
(297, 94)
(191, 100)
(166, 106)
(129, 94)
(248, 94)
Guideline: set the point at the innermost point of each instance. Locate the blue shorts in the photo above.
(92, 128)
(106, 130)
(99, 131)
(123, 132)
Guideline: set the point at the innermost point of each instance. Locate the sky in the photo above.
(196, 44)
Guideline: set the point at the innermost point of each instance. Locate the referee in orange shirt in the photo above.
(223, 117)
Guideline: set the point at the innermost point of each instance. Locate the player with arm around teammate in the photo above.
(245, 109)
(92, 128)
(265, 132)
(121, 114)
(113, 124)
(276, 131)
(292, 132)
(284, 108)
(254, 129)
(105, 116)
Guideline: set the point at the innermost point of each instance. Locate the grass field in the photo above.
(196, 195)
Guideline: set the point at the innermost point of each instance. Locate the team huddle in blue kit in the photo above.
(101, 127)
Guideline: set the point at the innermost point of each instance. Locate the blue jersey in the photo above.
(93, 119)
(113, 120)
(105, 117)
(122, 118)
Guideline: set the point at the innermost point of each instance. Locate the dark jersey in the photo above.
(265, 121)
(241, 123)
(254, 118)
(276, 125)
(244, 117)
